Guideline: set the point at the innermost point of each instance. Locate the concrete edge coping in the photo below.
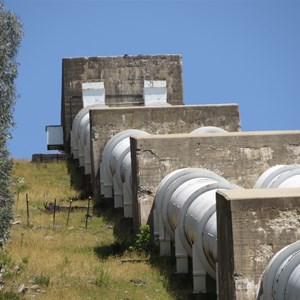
(219, 134)
(258, 194)
(181, 106)
(143, 56)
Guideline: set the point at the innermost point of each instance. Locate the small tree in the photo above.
(10, 39)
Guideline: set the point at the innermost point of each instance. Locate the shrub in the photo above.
(142, 240)
(42, 280)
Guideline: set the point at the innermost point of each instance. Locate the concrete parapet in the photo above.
(240, 157)
(106, 122)
(252, 225)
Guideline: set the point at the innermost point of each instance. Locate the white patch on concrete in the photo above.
(294, 148)
(246, 289)
(263, 253)
(95, 134)
(261, 230)
(246, 285)
(288, 220)
(264, 153)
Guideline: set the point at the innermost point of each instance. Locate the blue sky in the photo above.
(244, 52)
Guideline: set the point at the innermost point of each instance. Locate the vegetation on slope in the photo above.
(55, 260)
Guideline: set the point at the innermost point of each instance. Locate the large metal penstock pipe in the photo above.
(82, 114)
(185, 212)
(280, 176)
(281, 278)
(208, 129)
(115, 165)
(80, 136)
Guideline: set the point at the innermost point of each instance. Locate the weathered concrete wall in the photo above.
(123, 78)
(105, 123)
(252, 226)
(240, 157)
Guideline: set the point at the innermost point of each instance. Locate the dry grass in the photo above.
(69, 262)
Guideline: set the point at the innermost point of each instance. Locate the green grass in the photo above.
(74, 262)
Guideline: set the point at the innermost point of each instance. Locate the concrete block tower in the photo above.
(127, 80)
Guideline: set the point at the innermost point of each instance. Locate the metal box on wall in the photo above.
(55, 140)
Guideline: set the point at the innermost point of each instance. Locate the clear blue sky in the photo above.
(246, 52)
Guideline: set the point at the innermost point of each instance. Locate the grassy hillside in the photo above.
(56, 260)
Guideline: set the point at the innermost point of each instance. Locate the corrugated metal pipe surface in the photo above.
(185, 213)
(115, 170)
(280, 176)
(80, 137)
(281, 278)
